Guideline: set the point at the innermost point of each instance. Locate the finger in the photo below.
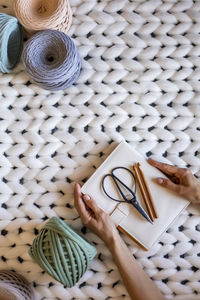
(79, 203)
(77, 196)
(165, 168)
(187, 176)
(77, 190)
(90, 202)
(170, 185)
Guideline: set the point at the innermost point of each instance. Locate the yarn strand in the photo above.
(51, 59)
(45, 14)
(10, 42)
(14, 286)
(63, 253)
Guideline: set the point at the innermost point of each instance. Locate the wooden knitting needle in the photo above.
(147, 190)
(143, 193)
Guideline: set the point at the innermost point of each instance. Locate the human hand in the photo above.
(181, 180)
(94, 217)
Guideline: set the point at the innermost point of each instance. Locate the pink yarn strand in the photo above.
(36, 15)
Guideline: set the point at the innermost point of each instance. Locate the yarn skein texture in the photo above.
(11, 42)
(37, 15)
(14, 287)
(52, 60)
(62, 252)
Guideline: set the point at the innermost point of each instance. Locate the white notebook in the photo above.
(168, 204)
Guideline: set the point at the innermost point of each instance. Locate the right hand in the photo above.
(94, 217)
(181, 180)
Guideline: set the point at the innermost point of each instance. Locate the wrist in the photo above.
(114, 241)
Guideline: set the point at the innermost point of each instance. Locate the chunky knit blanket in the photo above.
(139, 82)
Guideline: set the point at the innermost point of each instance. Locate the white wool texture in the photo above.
(139, 82)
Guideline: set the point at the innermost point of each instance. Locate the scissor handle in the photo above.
(109, 175)
(116, 180)
(122, 183)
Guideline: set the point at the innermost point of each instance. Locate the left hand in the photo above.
(180, 180)
(94, 217)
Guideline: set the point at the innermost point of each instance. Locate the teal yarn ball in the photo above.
(62, 252)
(11, 42)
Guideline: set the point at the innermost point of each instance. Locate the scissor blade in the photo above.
(141, 211)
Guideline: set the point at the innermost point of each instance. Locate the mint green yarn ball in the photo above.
(62, 252)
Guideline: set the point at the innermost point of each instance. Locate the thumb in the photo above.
(91, 204)
(169, 184)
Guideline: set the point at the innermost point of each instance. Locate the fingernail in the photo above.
(160, 180)
(86, 197)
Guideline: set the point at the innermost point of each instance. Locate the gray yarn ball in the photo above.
(52, 60)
